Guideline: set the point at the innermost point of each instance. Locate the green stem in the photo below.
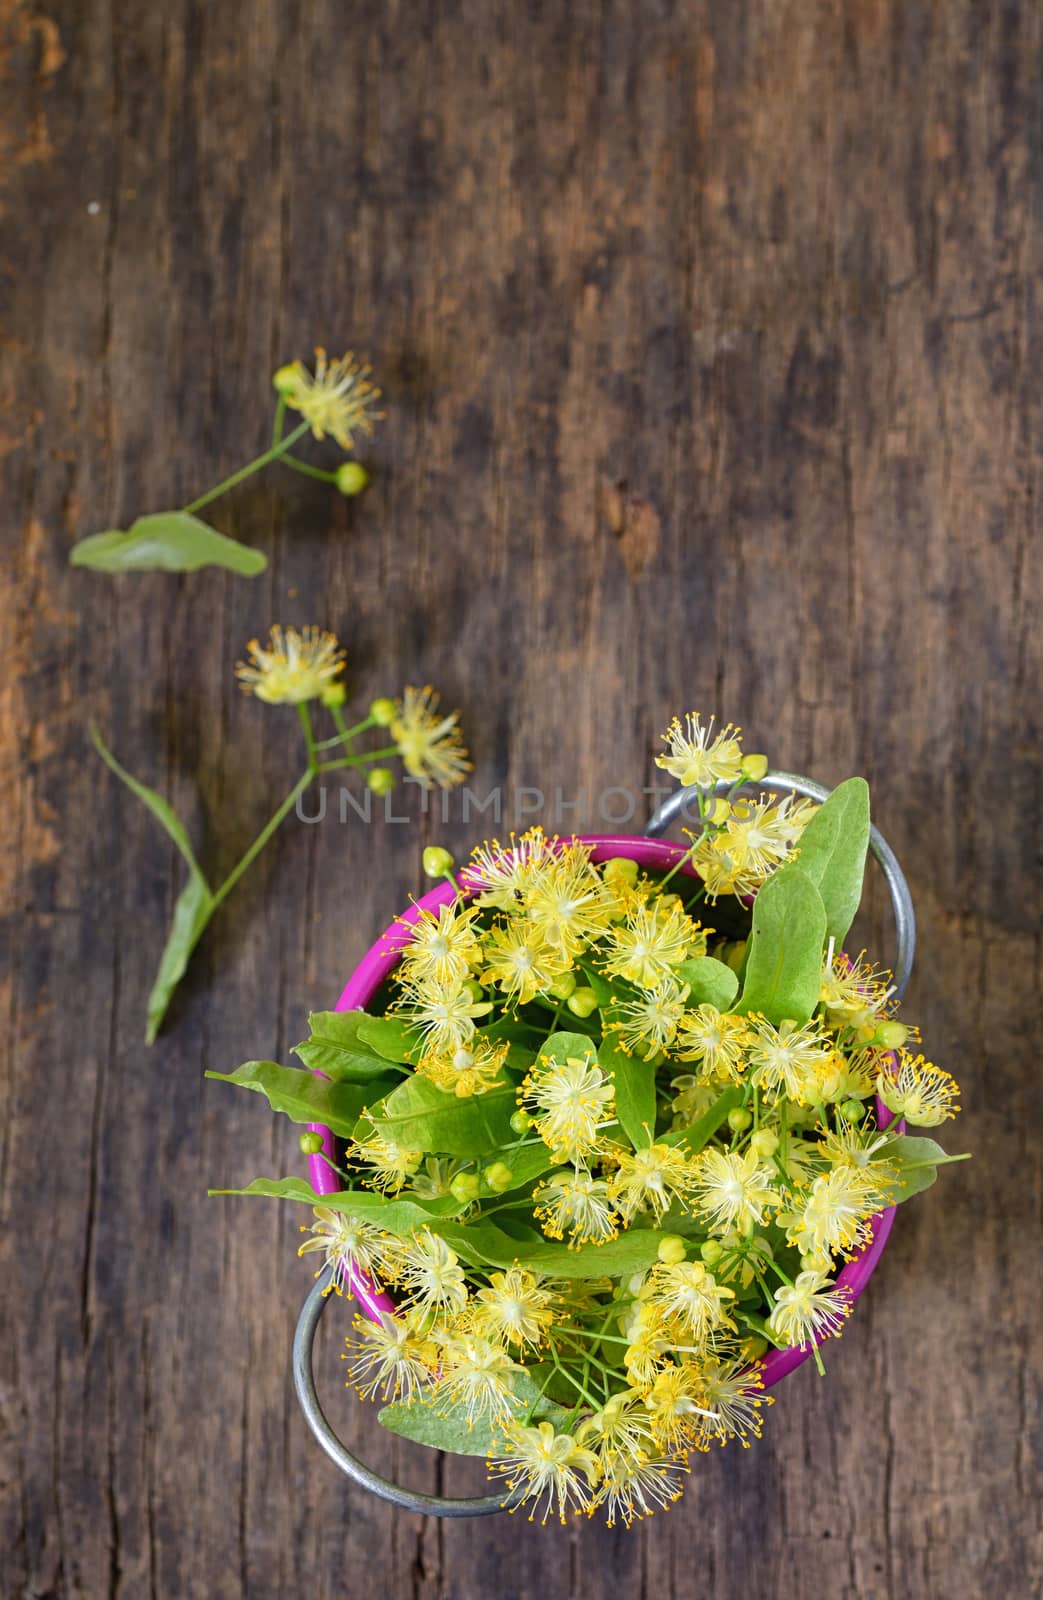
(309, 735)
(251, 467)
(259, 843)
(280, 413)
(358, 761)
(307, 470)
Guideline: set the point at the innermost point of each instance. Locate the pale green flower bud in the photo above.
(672, 1249)
(352, 477)
(436, 861)
(381, 780)
(383, 712)
(581, 1002)
(498, 1177)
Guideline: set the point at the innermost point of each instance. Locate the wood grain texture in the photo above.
(711, 338)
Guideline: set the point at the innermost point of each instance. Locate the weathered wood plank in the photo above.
(711, 339)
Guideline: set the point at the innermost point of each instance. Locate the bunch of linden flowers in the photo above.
(302, 669)
(610, 1136)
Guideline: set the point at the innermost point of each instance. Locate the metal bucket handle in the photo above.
(315, 1304)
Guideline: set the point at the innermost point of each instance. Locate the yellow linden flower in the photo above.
(835, 1215)
(571, 1102)
(716, 1040)
(519, 960)
(649, 1348)
(734, 1190)
(296, 666)
(621, 1428)
(443, 945)
(430, 745)
(443, 1014)
(921, 1092)
(699, 757)
(785, 1060)
(430, 1273)
(677, 1405)
(849, 1077)
(651, 1178)
(470, 1069)
(631, 1489)
(391, 1163)
(732, 1390)
(692, 1097)
(346, 1243)
(759, 834)
(514, 1308)
(577, 1204)
(855, 995)
(501, 874)
(652, 1019)
(809, 1309)
(338, 399)
(652, 941)
(567, 901)
(547, 1467)
(389, 1358)
(475, 1374)
(722, 873)
(690, 1300)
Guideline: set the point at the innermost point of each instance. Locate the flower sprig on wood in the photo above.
(612, 1137)
(300, 668)
(337, 399)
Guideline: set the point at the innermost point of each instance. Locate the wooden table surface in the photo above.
(711, 339)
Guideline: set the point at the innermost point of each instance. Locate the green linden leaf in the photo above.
(832, 853)
(304, 1097)
(634, 1082)
(784, 964)
(400, 1216)
(194, 906)
(335, 1048)
(710, 982)
(917, 1160)
(166, 541)
(391, 1038)
(444, 1426)
(560, 1047)
(419, 1116)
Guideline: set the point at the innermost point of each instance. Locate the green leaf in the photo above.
(917, 1160)
(698, 1134)
(334, 1047)
(400, 1216)
(832, 853)
(484, 1244)
(192, 911)
(520, 1053)
(194, 905)
(303, 1097)
(166, 541)
(634, 1081)
(391, 1038)
(445, 1426)
(784, 969)
(560, 1047)
(527, 1163)
(710, 982)
(420, 1116)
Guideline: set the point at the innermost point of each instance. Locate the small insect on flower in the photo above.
(649, 1023)
(515, 1308)
(571, 1102)
(475, 1375)
(389, 1358)
(296, 666)
(734, 1190)
(548, 1468)
(651, 942)
(808, 1310)
(443, 945)
(470, 1069)
(577, 1204)
(338, 399)
(650, 1179)
(430, 745)
(502, 873)
(787, 1059)
(716, 1040)
(632, 1489)
(690, 1301)
(347, 1244)
(699, 757)
(921, 1092)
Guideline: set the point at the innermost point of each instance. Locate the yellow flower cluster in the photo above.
(663, 1183)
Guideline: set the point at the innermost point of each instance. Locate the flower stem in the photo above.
(259, 843)
(251, 467)
(358, 761)
(309, 736)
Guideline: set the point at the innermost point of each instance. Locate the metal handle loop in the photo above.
(315, 1304)
(901, 899)
(304, 1383)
